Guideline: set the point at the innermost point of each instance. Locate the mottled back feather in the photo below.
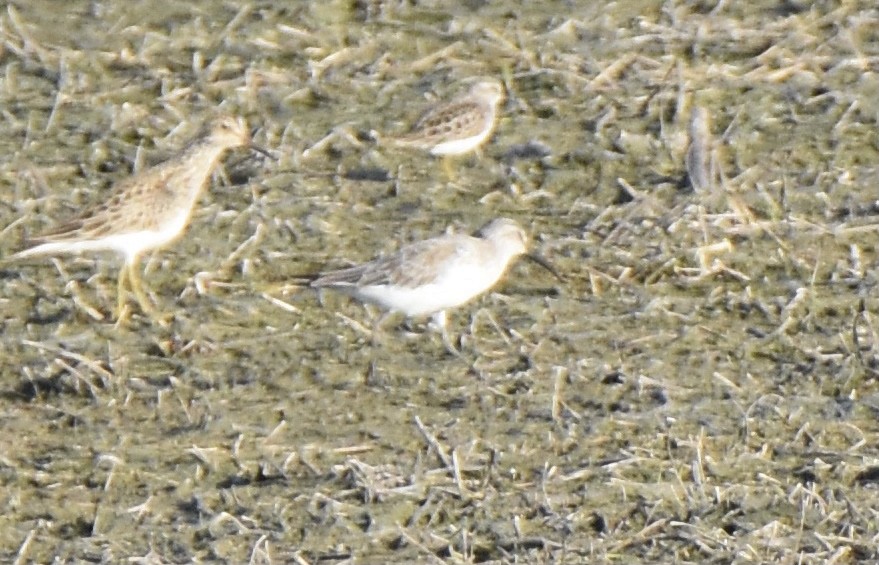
(413, 266)
(458, 119)
(145, 201)
(466, 116)
(140, 199)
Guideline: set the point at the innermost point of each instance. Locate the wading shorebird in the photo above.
(431, 276)
(147, 210)
(459, 126)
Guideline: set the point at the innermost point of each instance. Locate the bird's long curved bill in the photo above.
(261, 151)
(545, 264)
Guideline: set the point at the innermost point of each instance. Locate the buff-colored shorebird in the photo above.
(457, 127)
(147, 210)
(432, 276)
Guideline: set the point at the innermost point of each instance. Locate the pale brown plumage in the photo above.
(460, 125)
(147, 210)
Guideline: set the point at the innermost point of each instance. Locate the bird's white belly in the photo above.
(133, 243)
(459, 146)
(127, 243)
(453, 289)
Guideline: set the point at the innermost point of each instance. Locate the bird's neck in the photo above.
(502, 255)
(202, 158)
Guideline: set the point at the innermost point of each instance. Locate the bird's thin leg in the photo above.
(136, 288)
(440, 321)
(378, 320)
(121, 311)
(142, 299)
(449, 169)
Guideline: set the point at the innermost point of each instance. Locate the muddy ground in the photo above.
(702, 387)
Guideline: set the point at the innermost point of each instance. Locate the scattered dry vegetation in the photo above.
(701, 389)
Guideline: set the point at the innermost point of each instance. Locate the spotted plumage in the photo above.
(458, 126)
(147, 210)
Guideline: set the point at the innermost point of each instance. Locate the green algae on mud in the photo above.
(701, 388)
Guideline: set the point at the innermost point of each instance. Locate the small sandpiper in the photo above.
(459, 126)
(147, 210)
(431, 276)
